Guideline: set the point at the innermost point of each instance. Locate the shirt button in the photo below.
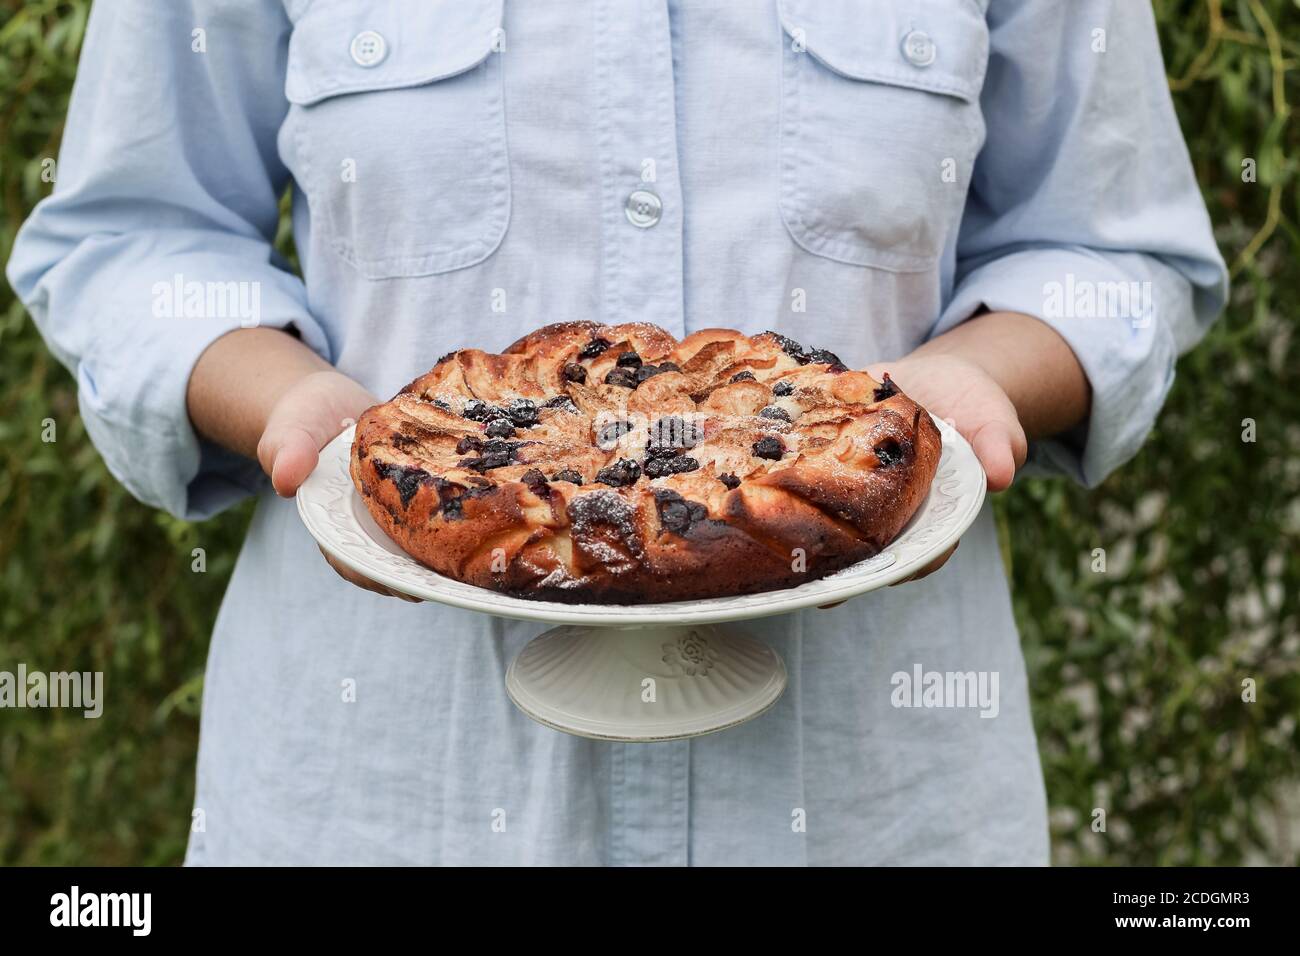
(643, 209)
(369, 49)
(919, 48)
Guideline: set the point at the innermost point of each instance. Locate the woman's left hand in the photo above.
(963, 394)
(998, 378)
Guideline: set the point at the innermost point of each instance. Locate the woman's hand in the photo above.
(1000, 379)
(963, 394)
(262, 392)
(307, 415)
(304, 420)
(967, 397)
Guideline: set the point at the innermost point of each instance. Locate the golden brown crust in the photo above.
(719, 465)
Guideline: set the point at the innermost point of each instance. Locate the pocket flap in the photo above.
(868, 40)
(420, 41)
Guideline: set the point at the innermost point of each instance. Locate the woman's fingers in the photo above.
(361, 581)
(304, 419)
(1000, 449)
(936, 564)
(290, 455)
(930, 568)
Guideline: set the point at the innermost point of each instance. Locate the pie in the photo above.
(616, 465)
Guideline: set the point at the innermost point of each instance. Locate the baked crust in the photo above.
(614, 464)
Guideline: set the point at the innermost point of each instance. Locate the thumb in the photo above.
(303, 420)
(996, 446)
(288, 454)
(878, 370)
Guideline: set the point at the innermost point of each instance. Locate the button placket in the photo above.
(654, 828)
(636, 141)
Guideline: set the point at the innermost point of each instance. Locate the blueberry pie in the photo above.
(617, 465)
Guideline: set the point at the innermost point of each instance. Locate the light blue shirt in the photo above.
(858, 174)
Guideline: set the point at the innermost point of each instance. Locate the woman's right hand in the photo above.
(262, 393)
(305, 418)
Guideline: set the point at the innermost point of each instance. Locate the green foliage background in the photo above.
(1136, 672)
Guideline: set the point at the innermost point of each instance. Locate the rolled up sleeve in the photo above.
(1084, 212)
(158, 236)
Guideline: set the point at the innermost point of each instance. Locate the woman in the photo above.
(991, 197)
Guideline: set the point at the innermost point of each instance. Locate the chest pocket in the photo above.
(880, 126)
(398, 130)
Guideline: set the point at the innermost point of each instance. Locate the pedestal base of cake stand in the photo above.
(655, 682)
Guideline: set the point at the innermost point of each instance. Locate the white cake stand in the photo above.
(640, 672)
